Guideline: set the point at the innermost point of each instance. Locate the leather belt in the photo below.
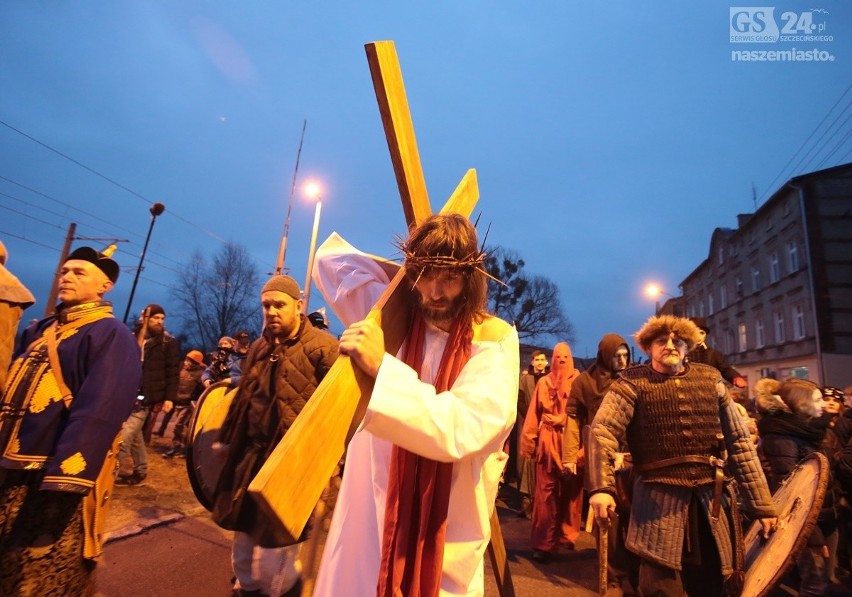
(717, 463)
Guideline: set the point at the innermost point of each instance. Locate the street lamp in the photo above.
(312, 190)
(654, 291)
(156, 209)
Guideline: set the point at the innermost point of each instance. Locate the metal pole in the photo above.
(311, 255)
(282, 249)
(54, 288)
(156, 209)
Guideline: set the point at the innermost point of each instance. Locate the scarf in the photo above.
(418, 496)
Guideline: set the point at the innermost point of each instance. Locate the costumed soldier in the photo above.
(72, 384)
(283, 368)
(683, 431)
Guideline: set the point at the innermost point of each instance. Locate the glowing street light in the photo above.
(654, 291)
(312, 190)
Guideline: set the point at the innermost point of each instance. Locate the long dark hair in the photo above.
(450, 241)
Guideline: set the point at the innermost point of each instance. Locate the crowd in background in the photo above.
(788, 420)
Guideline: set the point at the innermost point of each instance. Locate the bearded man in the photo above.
(683, 430)
(72, 384)
(283, 368)
(423, 468)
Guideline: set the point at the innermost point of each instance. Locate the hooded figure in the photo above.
(589, 389)
(587, 394)
(553, 505)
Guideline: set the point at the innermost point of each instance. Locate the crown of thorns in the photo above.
(420, 263)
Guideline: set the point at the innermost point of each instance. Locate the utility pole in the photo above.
(282, 249)
(156, 209)
(54, 288)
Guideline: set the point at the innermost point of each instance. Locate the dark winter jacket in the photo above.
(710, 356)
(160, 369)
(842, 460)
(786, 438)
(277, 382)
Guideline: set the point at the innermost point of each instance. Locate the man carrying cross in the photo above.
(423, 467)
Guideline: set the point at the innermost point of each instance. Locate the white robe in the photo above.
(466, 425)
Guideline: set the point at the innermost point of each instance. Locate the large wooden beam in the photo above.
(291, 482)
(399, 130)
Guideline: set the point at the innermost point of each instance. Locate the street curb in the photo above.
(132, 530)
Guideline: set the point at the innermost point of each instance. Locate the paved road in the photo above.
(163, 543)
(191, 556)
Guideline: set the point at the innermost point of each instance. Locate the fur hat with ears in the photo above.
(793, 395)
(663, 325)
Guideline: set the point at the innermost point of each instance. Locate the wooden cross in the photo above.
(291, 482)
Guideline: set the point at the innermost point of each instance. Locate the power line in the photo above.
(818, 144)
(26, 215)
(108, 179)
(770, 188)
(836, 147)
(25, 239)
(75, 208)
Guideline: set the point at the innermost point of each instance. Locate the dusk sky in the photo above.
(609, 139)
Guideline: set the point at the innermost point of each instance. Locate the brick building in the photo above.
(777, 290)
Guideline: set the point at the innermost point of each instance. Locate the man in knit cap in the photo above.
(72, 384)
(161, 360)
(683, 431)
(283, 368)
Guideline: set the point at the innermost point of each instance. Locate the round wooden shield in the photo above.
(798, 500)
(201, 464)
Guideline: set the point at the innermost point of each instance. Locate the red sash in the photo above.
(418, 494)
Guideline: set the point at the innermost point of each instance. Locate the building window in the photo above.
(721, 255)
(729, 341)
(768, 223)
(786, 208)
(723, 296)
(743, 337)
(793, 257)
(701, 309)
(774, 268)
(759, 336)
(778, 321)
(755, 279)
(798, 322)
(710, 304)
(738, 284)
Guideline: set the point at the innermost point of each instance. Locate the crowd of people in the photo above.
(669, 457)
(649, 440)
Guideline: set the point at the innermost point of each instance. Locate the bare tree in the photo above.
(217, 298)
(531, 302)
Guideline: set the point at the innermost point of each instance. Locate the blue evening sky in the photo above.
(610, 139)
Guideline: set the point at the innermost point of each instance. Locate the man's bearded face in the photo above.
(439, 295)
